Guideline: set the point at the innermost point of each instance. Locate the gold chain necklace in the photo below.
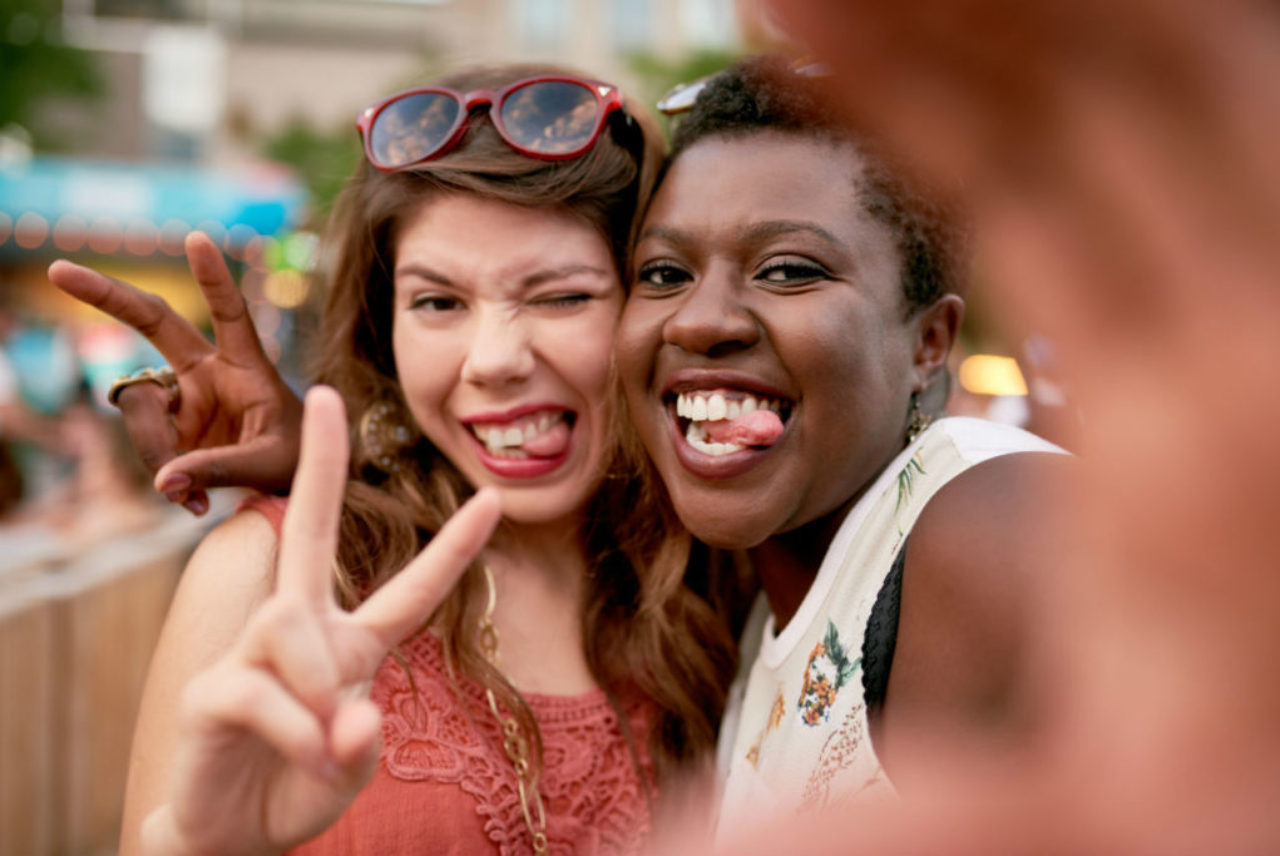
(513, 742)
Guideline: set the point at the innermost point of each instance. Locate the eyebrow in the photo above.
(553, 274)
(533, 279)
(754, 232)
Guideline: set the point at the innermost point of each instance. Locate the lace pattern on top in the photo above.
(595, 801)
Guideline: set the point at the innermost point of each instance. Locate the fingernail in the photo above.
(196, 506)
(175, 495)
(175, 483)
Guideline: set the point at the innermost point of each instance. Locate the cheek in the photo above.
(425, 368)
(639, 336)
(582, 353)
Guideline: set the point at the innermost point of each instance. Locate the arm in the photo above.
(264, 747)
(227, 579)
(970, 597)
(235, 422)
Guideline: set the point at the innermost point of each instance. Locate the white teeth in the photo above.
(696, 437)
(701, 407)
(508, 439)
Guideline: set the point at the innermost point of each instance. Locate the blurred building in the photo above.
(194, 91)
(204, 75)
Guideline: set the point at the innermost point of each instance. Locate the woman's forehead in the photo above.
(747, 181)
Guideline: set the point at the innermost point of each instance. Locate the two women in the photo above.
(783, 351)
(468, 330)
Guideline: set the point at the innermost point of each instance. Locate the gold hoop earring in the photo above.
(917, 419)
(383, 436)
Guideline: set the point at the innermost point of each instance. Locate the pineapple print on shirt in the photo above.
(828, 669)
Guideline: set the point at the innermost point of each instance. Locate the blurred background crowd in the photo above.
(124, 124)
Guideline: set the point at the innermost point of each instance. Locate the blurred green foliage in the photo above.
(35, 64)
(322, 160)
(658, 76)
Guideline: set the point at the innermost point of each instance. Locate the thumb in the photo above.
(263, 463)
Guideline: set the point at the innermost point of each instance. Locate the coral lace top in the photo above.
(444, 785)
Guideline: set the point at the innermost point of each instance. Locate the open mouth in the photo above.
(542, 434)
(720, 422)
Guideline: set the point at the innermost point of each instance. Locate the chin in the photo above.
(723, 528)
(536, 511)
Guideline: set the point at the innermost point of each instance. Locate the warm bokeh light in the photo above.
(105, 236)
(987, 374)
(172, 234)
(70, 233)
(30, 231)
(286, 288)
(141, 238)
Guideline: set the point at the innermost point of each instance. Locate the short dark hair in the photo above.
(765, 93)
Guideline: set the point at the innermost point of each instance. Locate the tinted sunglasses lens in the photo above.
(551, 117)
(410, 129)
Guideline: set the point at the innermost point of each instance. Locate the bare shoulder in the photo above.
(228, 576)
(969, 591)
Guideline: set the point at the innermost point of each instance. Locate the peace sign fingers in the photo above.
(400, 606)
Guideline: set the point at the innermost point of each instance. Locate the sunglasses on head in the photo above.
(551, 117)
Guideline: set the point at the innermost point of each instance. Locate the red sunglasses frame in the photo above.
(608, 98)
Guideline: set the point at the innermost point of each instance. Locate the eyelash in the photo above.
(433, 303)
(556, 301)
(442, 303)
(665, 269)
(795, 272)
(801, 272)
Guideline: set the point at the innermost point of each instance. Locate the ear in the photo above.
(936, 328)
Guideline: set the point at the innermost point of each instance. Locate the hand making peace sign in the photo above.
(236, 422)
(277, 736)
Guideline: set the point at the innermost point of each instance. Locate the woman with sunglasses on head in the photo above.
(468, 329)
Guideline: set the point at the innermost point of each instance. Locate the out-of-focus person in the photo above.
(1119, 163)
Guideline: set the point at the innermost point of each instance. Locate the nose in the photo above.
(711, 317)
(500, 351)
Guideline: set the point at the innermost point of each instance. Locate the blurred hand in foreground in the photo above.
(235, 421)
(1118, 161)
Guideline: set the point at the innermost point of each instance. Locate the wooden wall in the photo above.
(76, 636)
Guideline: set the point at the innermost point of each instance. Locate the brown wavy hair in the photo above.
(653, 623)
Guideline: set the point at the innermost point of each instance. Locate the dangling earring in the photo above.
(383, 436)
(917, 419)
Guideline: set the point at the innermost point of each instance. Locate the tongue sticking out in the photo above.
(758, 428)
(549, 443)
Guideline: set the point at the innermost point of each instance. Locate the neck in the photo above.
(787, 563)
(547, 554)
(541, 576)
